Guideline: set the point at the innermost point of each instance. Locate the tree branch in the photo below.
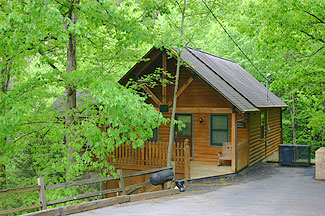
(312, 36)
(48, 61)
(28, 134)
(313, 15)
(306, 56)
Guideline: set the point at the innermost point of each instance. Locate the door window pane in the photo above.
(187, 130)
(154, 137)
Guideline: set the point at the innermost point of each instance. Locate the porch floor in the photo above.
(203, 169)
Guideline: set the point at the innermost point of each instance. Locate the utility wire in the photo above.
(214, 16)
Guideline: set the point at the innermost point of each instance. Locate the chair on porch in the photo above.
(226, 153)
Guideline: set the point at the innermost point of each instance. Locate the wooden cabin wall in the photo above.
(197, 95)
(256, 145)
(200, 95)
(242, 143)
(274, 135)
(259, 148)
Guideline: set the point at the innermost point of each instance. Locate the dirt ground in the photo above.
(266, 189)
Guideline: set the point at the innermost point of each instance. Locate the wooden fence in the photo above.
(42, 188)
(153, 154)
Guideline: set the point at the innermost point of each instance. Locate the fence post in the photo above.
(187, 168)
(121, 181)
(42, 197)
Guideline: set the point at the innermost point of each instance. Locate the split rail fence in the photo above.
(42, 188)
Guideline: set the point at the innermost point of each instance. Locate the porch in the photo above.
(154, 155)
(204, 169)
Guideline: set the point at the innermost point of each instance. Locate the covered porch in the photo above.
(154, 155)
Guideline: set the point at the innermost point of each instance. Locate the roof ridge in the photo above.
(211, 54)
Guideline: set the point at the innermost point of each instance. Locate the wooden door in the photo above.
(186, 132)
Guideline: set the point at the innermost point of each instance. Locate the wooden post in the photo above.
(121, 181)
(42, 197)
(233, 142)
(187, 172)
(171, 183)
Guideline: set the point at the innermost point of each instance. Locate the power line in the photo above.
(214, 16)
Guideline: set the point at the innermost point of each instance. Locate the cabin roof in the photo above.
(81, 99)
(231, 80)
(226, 77)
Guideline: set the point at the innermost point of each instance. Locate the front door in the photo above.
(185, 132)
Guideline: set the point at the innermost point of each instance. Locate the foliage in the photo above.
(285, 38)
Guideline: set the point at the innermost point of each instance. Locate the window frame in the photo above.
(211, 130)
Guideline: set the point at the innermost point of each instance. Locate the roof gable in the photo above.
(225, 76)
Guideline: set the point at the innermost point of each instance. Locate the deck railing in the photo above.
(153, 154)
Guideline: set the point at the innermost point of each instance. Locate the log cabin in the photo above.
(220, 104)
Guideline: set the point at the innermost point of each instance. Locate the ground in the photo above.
(266, 189)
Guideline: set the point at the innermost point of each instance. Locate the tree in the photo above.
(56, 34)
(175, 31)
(285, 38)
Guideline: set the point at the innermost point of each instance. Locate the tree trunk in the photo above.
(171, 131)
(5, 77)
(71, 90)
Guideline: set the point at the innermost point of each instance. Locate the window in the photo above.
(219, 129)
(262, 125)
(154, 137)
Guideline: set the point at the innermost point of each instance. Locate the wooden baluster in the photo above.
(155, 157)
(132, 152)
(178, 155)
(182, 155)
(150, 158)
(119, 155)
(160, 155)
(187, 167)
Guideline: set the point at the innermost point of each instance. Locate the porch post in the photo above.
(187, 172)
(233, 141)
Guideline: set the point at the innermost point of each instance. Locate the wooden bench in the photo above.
(226, 153)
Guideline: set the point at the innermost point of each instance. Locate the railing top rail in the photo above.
(70, 184)
(144, 172)
(90, 181)
(17, 190)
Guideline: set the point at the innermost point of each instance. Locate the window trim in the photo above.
(210, 129)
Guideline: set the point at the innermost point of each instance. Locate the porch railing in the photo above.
(153, 154)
